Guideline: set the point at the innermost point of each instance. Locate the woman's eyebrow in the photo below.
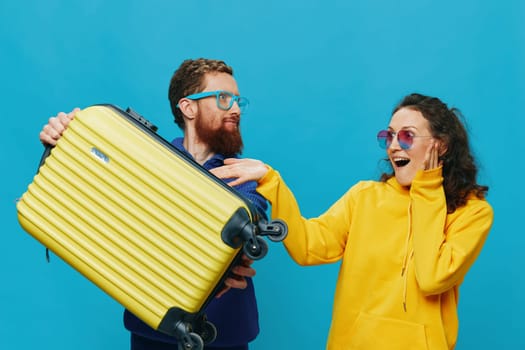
(404, 127)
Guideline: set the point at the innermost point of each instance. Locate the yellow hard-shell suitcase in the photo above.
(141, 220)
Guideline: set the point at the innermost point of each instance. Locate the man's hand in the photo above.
(239, 273)
(53, 130)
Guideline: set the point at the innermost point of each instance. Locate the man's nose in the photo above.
(235, 107)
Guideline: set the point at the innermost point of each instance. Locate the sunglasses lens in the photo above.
(384, 138)
(405, 139)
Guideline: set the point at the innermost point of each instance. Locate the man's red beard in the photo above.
(219, 140)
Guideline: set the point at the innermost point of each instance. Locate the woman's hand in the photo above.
(242, 170)
(432, 160)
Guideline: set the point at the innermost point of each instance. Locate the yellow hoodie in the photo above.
(403, 258)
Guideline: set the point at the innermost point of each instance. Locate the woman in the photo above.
(406, 242)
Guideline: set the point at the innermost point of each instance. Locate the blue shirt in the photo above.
(235, 313)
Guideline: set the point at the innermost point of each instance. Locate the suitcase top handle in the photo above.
(141, 120)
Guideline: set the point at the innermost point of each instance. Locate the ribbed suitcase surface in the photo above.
(130, 215)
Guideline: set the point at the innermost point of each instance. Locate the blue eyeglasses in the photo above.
(223, 98)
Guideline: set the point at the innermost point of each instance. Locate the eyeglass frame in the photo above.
(395, 134)
(242, 102)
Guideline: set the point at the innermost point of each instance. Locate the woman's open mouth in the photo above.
(400, 162)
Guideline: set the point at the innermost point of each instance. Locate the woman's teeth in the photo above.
(400, 162)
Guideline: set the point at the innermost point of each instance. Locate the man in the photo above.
(205, 102)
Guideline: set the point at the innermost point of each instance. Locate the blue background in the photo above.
(322, 77)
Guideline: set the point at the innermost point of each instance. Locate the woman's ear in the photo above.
(442, 148)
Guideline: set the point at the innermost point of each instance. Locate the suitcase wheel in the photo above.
(208, 332)
(255, 249)
(191, 341)
(279, 230)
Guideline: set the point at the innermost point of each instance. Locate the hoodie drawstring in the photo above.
(407, 258)
(405, 281)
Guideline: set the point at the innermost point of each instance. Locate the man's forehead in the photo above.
(220, 81)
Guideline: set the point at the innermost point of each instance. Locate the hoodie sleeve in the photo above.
(445, 246)
(310, 241)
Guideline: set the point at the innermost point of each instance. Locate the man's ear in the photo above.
(188, 107)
